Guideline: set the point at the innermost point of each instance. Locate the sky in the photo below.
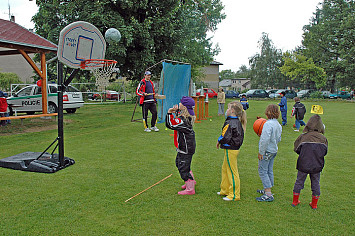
(237, 35)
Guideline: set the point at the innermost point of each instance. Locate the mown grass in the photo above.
(115, 160)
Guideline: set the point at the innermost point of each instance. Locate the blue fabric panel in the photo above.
(174, 83)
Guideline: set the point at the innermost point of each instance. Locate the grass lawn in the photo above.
(115, 160)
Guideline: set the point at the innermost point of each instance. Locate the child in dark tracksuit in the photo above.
(283, 108)
(244, 102)
(311, 146)
(184, 140)
(231, 140)
(298, 111)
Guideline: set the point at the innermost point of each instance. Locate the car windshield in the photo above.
(25, 91)
(71, 89)
(250, 91)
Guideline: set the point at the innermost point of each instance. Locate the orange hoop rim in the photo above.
(94, 63)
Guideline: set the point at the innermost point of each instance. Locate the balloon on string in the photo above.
(39, 83)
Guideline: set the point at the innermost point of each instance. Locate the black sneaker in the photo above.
(261, 191)
(265, 198)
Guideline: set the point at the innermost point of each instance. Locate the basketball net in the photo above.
(102, 70)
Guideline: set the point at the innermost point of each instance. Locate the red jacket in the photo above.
(141, 89)
(3, 104)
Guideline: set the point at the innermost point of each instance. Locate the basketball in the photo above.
(112, 35)
(258, 126)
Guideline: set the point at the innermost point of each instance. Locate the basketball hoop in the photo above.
(102, 70)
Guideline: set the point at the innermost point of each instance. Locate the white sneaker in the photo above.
(296, 130)
(219, 193)
(227, 199)
(147, 130)
(154, 129)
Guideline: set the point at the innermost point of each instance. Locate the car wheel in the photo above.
(71, 110)
(52, 108)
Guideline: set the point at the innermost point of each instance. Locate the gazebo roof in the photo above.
(15, 36)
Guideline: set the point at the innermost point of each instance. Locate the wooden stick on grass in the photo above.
(149, 187)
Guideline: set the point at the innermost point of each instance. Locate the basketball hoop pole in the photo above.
(60, 114)
(61, 87)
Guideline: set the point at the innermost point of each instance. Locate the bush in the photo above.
(8, 78)
(316, 94)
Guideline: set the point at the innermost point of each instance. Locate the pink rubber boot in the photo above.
(184, 186)
(190, 188)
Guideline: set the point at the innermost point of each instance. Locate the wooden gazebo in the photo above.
(19, 40)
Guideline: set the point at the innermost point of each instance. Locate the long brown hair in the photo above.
(185, 113)
(237, 107)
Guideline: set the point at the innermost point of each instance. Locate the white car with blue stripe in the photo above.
(29, 99)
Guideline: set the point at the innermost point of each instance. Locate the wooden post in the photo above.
(202, 99)
(206, 109)
(42, 73)
(44, 84)
(195, 108)
(200, 107)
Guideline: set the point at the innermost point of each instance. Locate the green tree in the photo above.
(226, 74)
(8, 78)
(151, 30)
(329, 40)
(299, 67)
(264, 66)
(243, 72)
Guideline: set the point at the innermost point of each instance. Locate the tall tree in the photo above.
(226, 74)
(264, 66)
(243, 72)
(302, 69)
(151, 30)
(329, 40)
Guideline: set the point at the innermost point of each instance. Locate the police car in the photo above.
(29, 99)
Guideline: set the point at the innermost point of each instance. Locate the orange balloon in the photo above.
(258, 126)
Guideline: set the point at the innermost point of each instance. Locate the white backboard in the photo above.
(80, 41)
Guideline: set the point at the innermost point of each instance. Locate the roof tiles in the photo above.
(12, 33)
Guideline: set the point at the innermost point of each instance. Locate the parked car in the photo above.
(29, 99)
(289, 93)
(273, 93)
(341, 94)
(108, 94)
(231, 94)
(325, 94)
(304, 93)
(270, 91)
(211, 93)
(256, 93)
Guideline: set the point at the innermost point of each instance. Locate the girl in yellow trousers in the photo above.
(231, 140)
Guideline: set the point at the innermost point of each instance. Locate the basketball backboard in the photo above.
(80, 41)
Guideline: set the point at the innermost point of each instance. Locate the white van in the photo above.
(29, 99)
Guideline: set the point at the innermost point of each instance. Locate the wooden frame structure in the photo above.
(19, 40)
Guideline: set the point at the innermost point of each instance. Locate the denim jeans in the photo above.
(284, 117)
(266, 171)
(298, 124)
(220, 108)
